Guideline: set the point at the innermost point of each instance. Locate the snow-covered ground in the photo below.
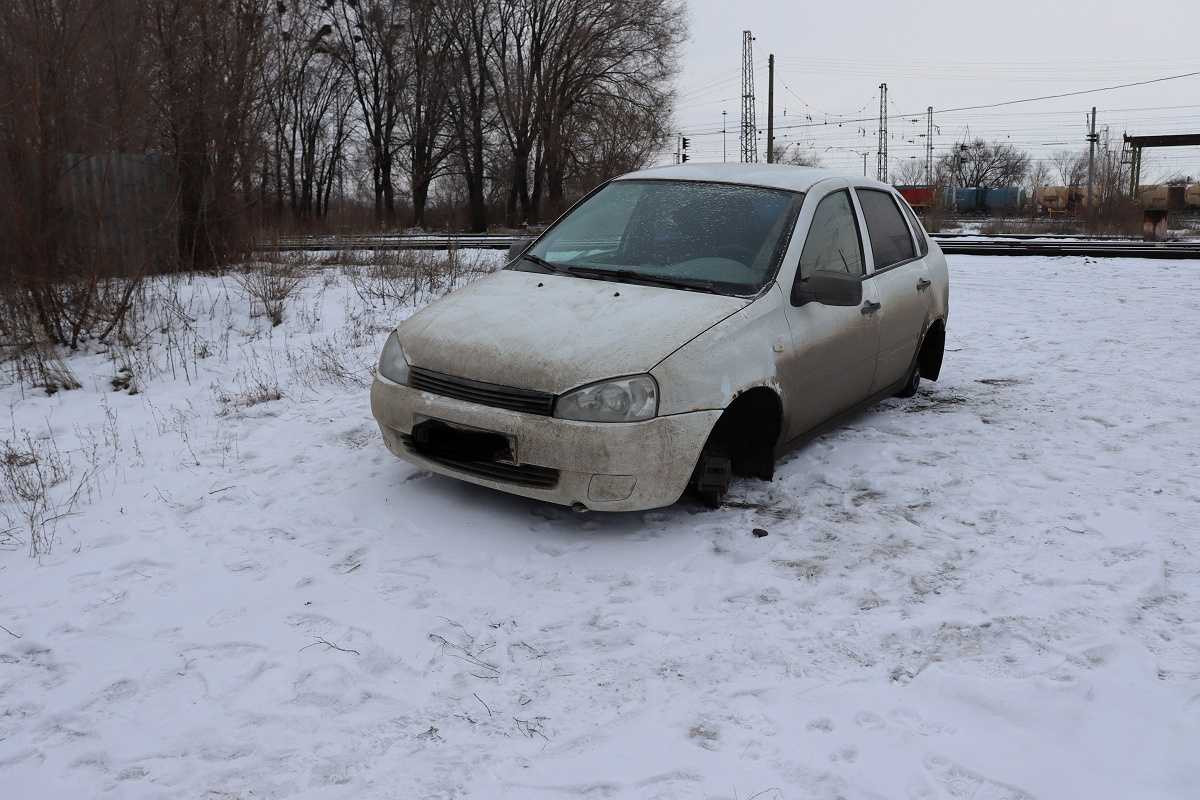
(991, 590)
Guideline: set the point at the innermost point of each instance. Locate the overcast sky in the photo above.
(831, 58)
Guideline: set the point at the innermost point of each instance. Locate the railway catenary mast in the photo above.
(881, 171)
(929, 148)
(749, 128)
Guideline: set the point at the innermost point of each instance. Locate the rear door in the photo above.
(831, 362)
(900, 277)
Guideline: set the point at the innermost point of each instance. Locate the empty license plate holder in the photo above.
(440, 439)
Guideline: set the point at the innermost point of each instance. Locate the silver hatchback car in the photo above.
(677, 327)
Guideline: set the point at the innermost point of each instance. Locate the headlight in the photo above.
(392, 364)
(621, 400)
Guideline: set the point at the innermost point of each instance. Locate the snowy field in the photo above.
(989, 591)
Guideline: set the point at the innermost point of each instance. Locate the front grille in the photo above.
(486, 394)
(519, 474)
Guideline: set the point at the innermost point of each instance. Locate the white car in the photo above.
(677, 327)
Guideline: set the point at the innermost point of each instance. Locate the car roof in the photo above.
(775, 176)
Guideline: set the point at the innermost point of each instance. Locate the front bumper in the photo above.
(603, 466)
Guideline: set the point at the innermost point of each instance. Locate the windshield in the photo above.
(701, 236)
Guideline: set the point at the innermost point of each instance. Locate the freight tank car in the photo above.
(1162, 197)
(1053, 201)
(988, 199)
(1191, 197)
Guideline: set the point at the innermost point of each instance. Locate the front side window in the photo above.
(891, 241)
(713, 237)
(833, 243)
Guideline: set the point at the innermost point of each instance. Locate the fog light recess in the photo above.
(611, 487)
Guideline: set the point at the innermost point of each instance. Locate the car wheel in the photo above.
(713, 475)
(913, 381)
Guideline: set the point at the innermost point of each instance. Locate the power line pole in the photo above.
(771, 109)
(749, 128)
(881, 172)
(724, 157)
(1092, 139)
(929, 148)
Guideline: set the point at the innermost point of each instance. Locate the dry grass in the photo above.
(1002, 226)
(40, 366)
(30, 470)
(271, 285)
(398, 278)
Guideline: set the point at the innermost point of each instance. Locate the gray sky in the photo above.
(831, 58)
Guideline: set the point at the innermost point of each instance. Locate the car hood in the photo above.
(553, 333)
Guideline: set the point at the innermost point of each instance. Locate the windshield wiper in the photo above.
(541, 262)
(633, 276)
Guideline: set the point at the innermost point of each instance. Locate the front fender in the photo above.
(738, 353)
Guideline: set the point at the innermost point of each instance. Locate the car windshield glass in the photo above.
(699, 236)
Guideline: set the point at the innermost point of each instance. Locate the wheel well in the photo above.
(932, 349)
(748, 431)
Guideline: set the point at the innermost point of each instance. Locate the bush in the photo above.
(272, 285)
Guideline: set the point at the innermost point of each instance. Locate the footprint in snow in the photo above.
(120, 690)
(962, 782)
(869, 720)
(847, 754)
(351, 561)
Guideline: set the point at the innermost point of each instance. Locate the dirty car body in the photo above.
(677, 327)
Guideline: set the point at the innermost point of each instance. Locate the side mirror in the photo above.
(829, 289)
(519, 246)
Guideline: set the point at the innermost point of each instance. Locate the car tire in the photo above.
(913, 381)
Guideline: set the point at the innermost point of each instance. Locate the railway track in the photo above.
(951, 244)
(1106, 248)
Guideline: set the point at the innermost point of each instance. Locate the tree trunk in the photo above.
(420, 194)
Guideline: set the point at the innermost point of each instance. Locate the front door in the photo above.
(831, 363)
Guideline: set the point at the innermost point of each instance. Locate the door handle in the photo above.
(870, 307)
(923, 284)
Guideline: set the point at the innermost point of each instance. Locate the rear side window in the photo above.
(891, 240)
(833, 243)
(918, 230)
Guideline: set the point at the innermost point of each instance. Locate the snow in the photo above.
(991, 590)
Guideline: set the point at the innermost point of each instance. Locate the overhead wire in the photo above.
(981, 106)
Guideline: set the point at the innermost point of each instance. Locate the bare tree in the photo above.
(1039, 175)
(606, 52)
(424, 113)
(980, 163)
(610, 139)
(471, 111)
(1071, 167)
(258, 108)
(910, 173)
(521, 35)
(209, 57)
(72, 83)
(366, 36)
